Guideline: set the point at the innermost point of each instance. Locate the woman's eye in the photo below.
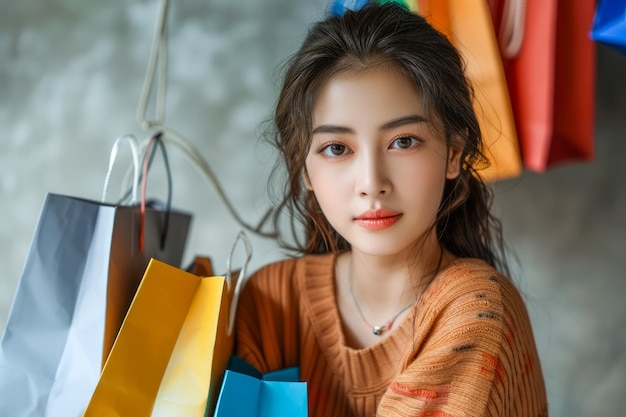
(335, 149)
(405, 142)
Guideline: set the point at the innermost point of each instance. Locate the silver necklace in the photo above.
(377, 330)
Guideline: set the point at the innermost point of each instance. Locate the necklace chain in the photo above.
(377, 330)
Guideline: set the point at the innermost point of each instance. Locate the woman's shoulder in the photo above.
(464, 274)
(281, 286)
(470, 299)
(473, 282)
(306, 263)
(289, 270)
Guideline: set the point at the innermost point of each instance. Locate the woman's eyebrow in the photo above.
(331, 129)
(402, 121)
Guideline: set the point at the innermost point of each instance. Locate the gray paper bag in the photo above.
(80, 275)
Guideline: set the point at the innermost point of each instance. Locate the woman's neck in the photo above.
(376, 291)
(386, 282)
(380, 285)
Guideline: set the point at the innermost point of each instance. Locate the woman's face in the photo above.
(376, 165)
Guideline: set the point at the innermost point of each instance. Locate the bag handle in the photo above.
(156, 60)
(132, 142)
(242, 278)
(154, 141)
(512, 27)
(157, 71)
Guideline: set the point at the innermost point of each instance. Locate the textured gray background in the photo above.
(70, 77)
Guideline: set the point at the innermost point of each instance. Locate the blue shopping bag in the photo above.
(246, 392)
(609, 24)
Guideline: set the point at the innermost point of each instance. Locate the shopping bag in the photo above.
(609, 24)
(80, 274)
(193, 369)
(551, 78)
(274, 394)
(339, 7)
(470, 28)
(174, 345)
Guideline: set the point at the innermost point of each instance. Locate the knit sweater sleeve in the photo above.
(267, 318)
(474, 353)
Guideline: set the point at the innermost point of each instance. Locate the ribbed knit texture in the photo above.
(465, 349)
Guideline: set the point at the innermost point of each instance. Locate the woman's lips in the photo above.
(378, 219)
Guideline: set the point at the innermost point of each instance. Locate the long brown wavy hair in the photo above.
(384, 35)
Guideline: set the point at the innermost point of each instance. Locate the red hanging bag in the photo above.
(550, 66)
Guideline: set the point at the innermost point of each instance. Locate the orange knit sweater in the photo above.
(466, 348)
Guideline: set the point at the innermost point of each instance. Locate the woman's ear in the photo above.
(455, 149)
(306, 181)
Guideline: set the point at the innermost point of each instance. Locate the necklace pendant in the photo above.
(378, 330)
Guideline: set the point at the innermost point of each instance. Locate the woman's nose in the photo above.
(372, 176)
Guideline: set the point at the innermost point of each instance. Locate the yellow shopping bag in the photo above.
(170, 355)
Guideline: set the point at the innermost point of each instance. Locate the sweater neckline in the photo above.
(367, 370)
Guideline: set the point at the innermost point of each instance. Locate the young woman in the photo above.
(398, 305)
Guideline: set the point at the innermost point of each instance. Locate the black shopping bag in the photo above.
(81, 272)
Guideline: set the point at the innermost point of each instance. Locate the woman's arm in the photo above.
(266, 323)
(478, 357)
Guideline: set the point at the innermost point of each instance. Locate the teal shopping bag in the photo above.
(246, 392)
(609, 24)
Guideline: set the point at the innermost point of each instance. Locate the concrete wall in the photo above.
(70, 79)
